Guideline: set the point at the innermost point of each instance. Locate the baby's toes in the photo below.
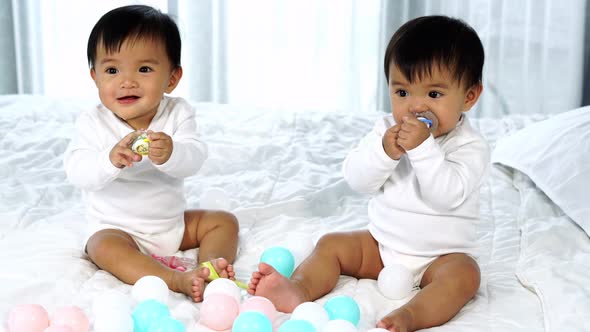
(223, 274)
(203, 273)
(220, 263)
(254, 281)
(221, 266)
(231, 274)
(198, 289)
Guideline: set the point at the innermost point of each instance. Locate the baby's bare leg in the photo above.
(114, 251)
(215, 233)
(447, 285)
(353, 253)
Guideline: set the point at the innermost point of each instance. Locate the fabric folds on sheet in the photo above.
(554, 260)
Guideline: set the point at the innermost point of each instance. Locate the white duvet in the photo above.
(554, 260)
(281, 172)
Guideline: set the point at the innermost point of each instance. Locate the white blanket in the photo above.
(281, 172)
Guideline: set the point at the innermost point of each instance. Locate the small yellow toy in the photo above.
(141, 145)
(214, 275)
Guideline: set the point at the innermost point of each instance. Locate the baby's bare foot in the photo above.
(285, 294)
(222, 268)
(399, 320)
(191, 283)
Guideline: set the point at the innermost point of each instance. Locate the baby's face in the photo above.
(439, 93)
(132, 81)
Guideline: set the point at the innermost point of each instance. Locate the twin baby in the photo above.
(424, 179)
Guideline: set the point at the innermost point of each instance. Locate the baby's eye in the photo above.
(145, 69)
(111, 70)
(434, 94)
(402, 93)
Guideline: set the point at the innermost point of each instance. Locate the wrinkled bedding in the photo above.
(281, 173)
(554, 260)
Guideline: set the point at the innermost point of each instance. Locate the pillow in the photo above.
(555, 155)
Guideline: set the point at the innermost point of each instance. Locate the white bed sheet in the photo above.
(554, 260)
(281, 171)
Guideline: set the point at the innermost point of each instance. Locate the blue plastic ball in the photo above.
(252, 321)
(146, 313)
(343, 307)
(167, 324)
(297, 325)
(281, 259)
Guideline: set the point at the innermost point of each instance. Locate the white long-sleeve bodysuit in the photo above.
(425, 204)
(145, 200)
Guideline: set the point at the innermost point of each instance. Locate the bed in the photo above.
(281, 172)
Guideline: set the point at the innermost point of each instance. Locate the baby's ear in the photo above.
(93, 74)
(472, 96)
(175, 77)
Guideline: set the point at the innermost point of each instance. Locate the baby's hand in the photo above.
(160, 147)
(412, 133)
(121, 154)
(390, 143)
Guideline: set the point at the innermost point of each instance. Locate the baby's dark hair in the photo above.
(133, 23)
(428, 41)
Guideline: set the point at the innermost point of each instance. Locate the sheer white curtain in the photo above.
(20, 40)
(306, 54)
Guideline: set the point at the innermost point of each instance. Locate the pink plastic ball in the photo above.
(260, 304)
(58, 329)
(28, 318)
(72, 317)
(219, 311)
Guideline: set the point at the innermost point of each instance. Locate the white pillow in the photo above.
(555, 154)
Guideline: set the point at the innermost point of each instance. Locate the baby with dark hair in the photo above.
(424, 182)
(135, 198)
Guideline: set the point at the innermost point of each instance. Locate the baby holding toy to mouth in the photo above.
(423, 165)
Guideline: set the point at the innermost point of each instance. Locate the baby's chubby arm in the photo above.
(370, 164)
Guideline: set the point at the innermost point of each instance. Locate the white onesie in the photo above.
(426, 204)
(147, 200)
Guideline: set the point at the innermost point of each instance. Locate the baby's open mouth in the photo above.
(128, 98)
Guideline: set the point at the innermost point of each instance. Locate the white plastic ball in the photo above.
(339, 325)
(111, 301)
(395, 282)
(113, 322)
(150, 287)
(313, 313)
(214, 199)
(223, 286)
